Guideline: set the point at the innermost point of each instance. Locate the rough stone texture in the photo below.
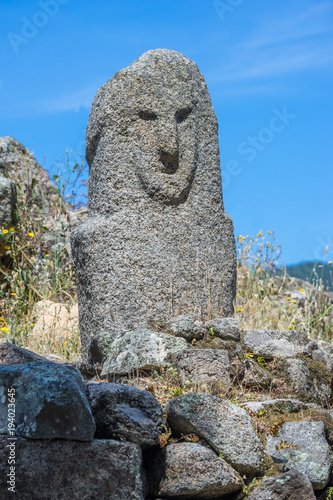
(186, 326)
(272, 343)
(50, 402)
(55, 320)
(281, 405)
(140, 349)
(292, 485)
(189, 470)
(256, 376)
(208, 368)
(312, 456)
(11, 354)
(327, 348)
(8, 202)
(125, 413)
(157, 239)
(60, 470)
(226, 427)
(308, 380)
(225, 328)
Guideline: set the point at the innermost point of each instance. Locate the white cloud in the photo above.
(72, 100)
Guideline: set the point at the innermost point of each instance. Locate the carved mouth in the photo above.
(170, 162)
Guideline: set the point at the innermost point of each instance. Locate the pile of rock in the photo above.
(76, 439)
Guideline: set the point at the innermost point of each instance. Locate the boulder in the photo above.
(11, 354)
(256, 376)
(125, 413)
(189, 470)
(308, 380)
(226, 428)
(56, 321)
(186, 326)
(287, 405)
(292, 485)
(50, 402)
(312, 455)
(273, 343)
(54, 470)
(225, 328)
(208, 368)
(139, 349)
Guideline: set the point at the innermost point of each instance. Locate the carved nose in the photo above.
(168, 148)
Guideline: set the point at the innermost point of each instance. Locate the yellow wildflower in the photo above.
(288, 298)
(4, 329)
(5, 231)
(301, 290)
(7, 247)
(240, 310)
(12, 228)
(31, 235)
(47, 255)
(269, 232)
(12, 293)
(294, 301)
(329, 262)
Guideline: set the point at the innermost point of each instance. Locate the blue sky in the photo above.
(268, 66)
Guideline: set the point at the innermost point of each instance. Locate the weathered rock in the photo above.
(189, 470)
(226, 427)
(256, 376)
(11, 354)
(50, 402)
(140, 349)
(157, 239)
(225, 328)
(327, 348)
(287, 405)
(273, 343)
(125, 413)
(54, 470)
(208, 368)
(8, 203)
(186, 326)
(308, 380)
(55, 320)
(292, 485)
(312, 456)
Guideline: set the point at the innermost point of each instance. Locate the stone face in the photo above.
(157, 238)
(8, 202)
(273, 343)
(50, 402)
(189, 470)
(55, 470)
(225, 328)
(186, 326)
(208, 368)
(312, 456)
(226, 427)
(140, 349)
(292, 485)
(125, 413)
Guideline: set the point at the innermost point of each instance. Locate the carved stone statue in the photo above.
(157, 241)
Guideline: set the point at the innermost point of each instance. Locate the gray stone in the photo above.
(312, 456)
(292, 485)
(186, 326)
(208, 368)
(50, 402)
(140, 349)
(125, 413)
(59, 470)
(225, 328)
(311, 385)
(189, 470)
(280, 405)
(256, 376)
(327, 348)
(226, 427)
(157, 238)
(323, 357)
(8, 202)
(11, 354)
(273, 343)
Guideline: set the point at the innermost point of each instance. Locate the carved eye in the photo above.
(147, 115)
(182, 114)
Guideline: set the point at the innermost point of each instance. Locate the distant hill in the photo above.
(312, 272)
